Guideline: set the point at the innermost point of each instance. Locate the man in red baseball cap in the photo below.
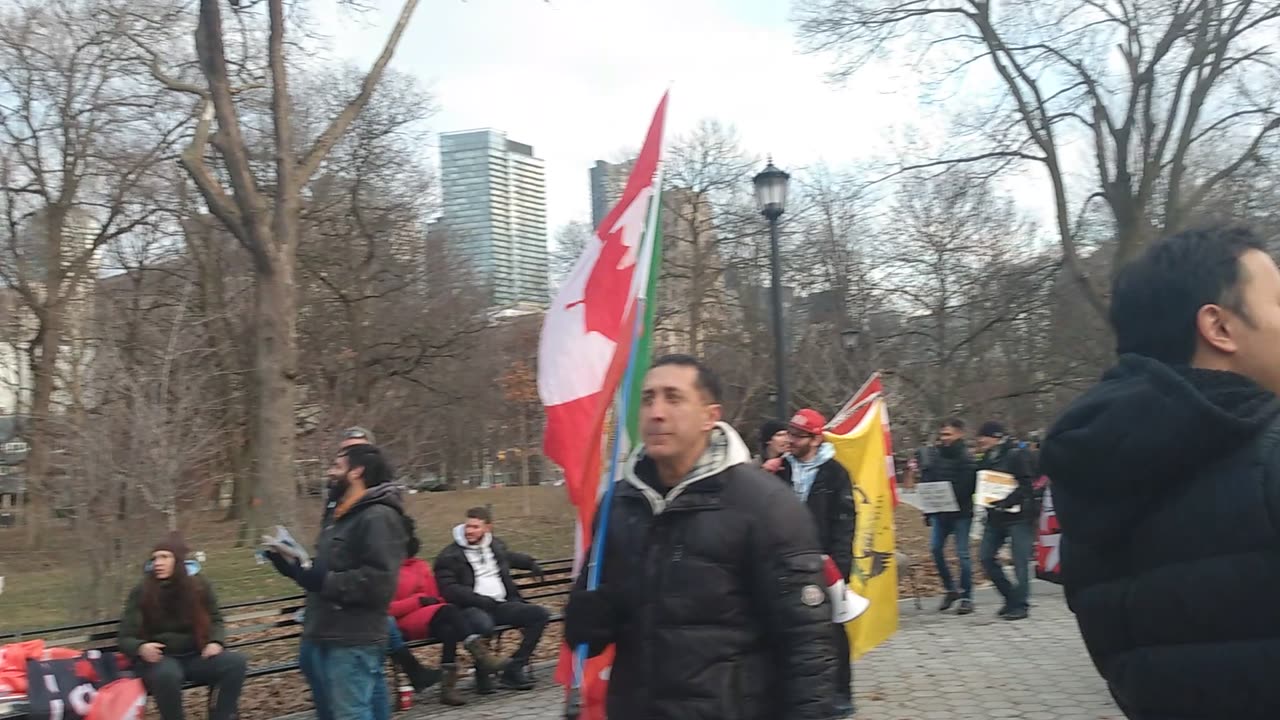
(824, 486)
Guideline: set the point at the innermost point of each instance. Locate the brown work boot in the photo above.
(449, 694)
(486, 661)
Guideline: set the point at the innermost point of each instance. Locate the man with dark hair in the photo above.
(823, 485)
(474, 573)
(712, 576)
(1166, 482)
(950, 462)
(349, 585)
(1010, 519)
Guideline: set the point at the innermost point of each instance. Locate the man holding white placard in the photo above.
(948, 481)
(1005, 488)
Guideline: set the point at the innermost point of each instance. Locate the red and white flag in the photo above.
(583, 351)
(855, 410)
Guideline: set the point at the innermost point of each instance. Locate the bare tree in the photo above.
(80, 146)
(570, 239)
(1149, 87)
(262, 207)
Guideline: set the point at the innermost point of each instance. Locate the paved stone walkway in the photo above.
(936, 666)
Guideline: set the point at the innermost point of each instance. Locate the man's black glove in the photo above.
(287, 568)
(311, 579)
(589, 618)
(536, 571)
(428, 600)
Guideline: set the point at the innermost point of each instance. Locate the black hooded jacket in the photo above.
(362, 550)
(1166, 482)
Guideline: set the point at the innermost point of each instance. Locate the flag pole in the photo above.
(573, 702)
(574, 698)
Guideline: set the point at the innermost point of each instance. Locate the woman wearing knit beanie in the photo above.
(172, 628)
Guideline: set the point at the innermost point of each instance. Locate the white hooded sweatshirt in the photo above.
(483, 564)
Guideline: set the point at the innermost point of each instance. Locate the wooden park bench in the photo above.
(270, 623)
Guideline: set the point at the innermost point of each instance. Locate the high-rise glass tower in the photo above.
(495, 212)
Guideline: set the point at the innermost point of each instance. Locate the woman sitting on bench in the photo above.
(420, 613)
(172, 625)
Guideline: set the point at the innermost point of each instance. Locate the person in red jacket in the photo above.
(420, 613)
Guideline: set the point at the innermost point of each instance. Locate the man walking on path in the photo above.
(1166, 482)
(712, 576)
(1011, 519)
(474, 573)
(822, 484)
(349, 585)
(950, 462)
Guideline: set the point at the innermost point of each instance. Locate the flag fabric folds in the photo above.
(862, 450)
(586, 341)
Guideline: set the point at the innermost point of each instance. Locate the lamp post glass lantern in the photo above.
(771, 198)
(849, 339)
(771, 190)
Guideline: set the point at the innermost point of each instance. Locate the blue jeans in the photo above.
(347, 683)
(943, 528)
(1019, 535)
(395, 640)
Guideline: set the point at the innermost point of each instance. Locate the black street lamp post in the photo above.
(771, 198)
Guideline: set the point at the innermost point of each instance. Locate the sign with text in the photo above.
(994, 486)
(936, 497)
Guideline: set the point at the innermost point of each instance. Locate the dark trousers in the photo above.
(450, 628)
(1020, 536)
(530, 619)
(844, 667)
(223, 674)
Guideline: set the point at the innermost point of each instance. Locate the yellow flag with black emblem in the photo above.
(875, 567)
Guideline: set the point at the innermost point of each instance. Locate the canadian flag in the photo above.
(583, 351)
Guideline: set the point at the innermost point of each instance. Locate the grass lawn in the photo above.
(46, 588)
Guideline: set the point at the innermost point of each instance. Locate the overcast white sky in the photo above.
(578, 79)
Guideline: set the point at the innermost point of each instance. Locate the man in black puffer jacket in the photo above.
(1166, 482)
(951, 463)
(712, 577)
(1011, 519)
(823, 485)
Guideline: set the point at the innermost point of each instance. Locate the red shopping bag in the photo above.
(120, 700)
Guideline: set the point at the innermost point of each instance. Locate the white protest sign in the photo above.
(936, 497)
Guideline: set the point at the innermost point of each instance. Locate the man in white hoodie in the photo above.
(474, 573)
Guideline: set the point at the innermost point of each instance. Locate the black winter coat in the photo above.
(1166, 482)
(952, 465)
(716, 588)
(834, 513)
(362, 551)
(457, 580)
(1008, 458)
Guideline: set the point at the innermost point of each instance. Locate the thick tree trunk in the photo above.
(275, 360)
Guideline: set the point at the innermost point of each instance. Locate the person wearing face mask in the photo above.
(950, 462)
(774, 444)
(711, 585)
(172, 627)
(349, 586)
(824, 486)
